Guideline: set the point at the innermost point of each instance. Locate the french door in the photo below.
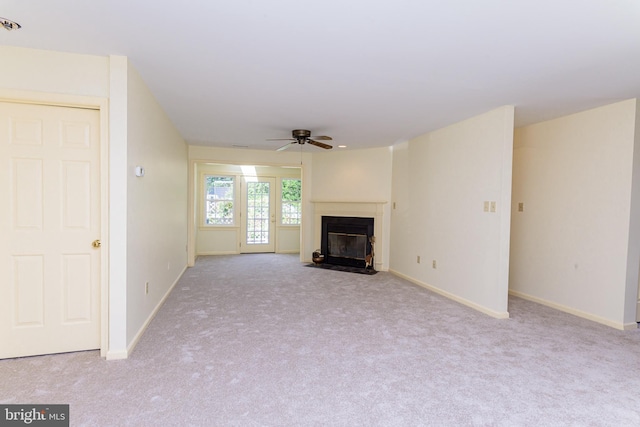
(258, 215)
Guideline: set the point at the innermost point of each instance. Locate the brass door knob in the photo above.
(96, 243)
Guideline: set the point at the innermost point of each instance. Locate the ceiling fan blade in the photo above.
(319, 144)
(322, 138)
(284, 147)
(280, 139)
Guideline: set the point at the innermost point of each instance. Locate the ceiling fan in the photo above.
(303, 136)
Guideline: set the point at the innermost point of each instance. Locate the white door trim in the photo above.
(95, 103)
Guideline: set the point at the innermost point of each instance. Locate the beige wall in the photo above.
(354, 176)
(156, 205)
(56, 77)
(54, 72)
(632, 297)
(441, 182)
(571, 245)
(137, 131)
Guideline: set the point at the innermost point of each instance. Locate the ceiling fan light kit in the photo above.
(9, 24)
(303, 136)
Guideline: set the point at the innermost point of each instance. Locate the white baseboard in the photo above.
(217, 253)
(576, 312)
(380, 266)
(116, 355)
(144, 327)
(456, 298)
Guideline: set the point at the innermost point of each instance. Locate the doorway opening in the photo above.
(245, 209)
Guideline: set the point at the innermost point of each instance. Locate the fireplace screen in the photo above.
(346, 240)
(347, 245)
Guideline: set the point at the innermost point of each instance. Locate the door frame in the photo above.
(92, 103)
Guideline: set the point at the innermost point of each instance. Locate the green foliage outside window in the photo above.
(291, 201)
(219, 200)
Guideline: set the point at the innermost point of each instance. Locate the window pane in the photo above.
(291, 202)
(219, 200)
(257, 213)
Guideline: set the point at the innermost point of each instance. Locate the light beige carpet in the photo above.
(260, 340)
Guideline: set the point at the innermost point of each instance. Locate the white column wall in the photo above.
(156, 206)
(441, 182)
(572, 241)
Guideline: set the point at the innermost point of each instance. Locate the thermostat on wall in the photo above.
(139, 171)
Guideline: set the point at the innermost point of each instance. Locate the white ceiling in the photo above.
(368, 73)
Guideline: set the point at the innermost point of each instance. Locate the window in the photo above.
(219, 200)
(291, 202)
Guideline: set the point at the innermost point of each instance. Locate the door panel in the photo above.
(49, 271)
(258, 215)
(77, 297)
(27, 194)
(76, 195)
(28, 290)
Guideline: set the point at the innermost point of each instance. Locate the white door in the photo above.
(49, 217)
(258, 215)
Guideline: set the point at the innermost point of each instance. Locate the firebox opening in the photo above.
(347, 245)
(347, 241)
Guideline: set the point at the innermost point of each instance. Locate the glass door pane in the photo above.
(258, 215)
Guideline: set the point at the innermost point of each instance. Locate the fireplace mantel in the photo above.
(365, 209)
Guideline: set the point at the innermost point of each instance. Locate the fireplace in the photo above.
(346, 240)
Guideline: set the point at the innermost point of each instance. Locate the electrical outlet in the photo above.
(433, 264)
(520, 207)
(146, 288)
(486, 206)
(418, 259)
(493, 206)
